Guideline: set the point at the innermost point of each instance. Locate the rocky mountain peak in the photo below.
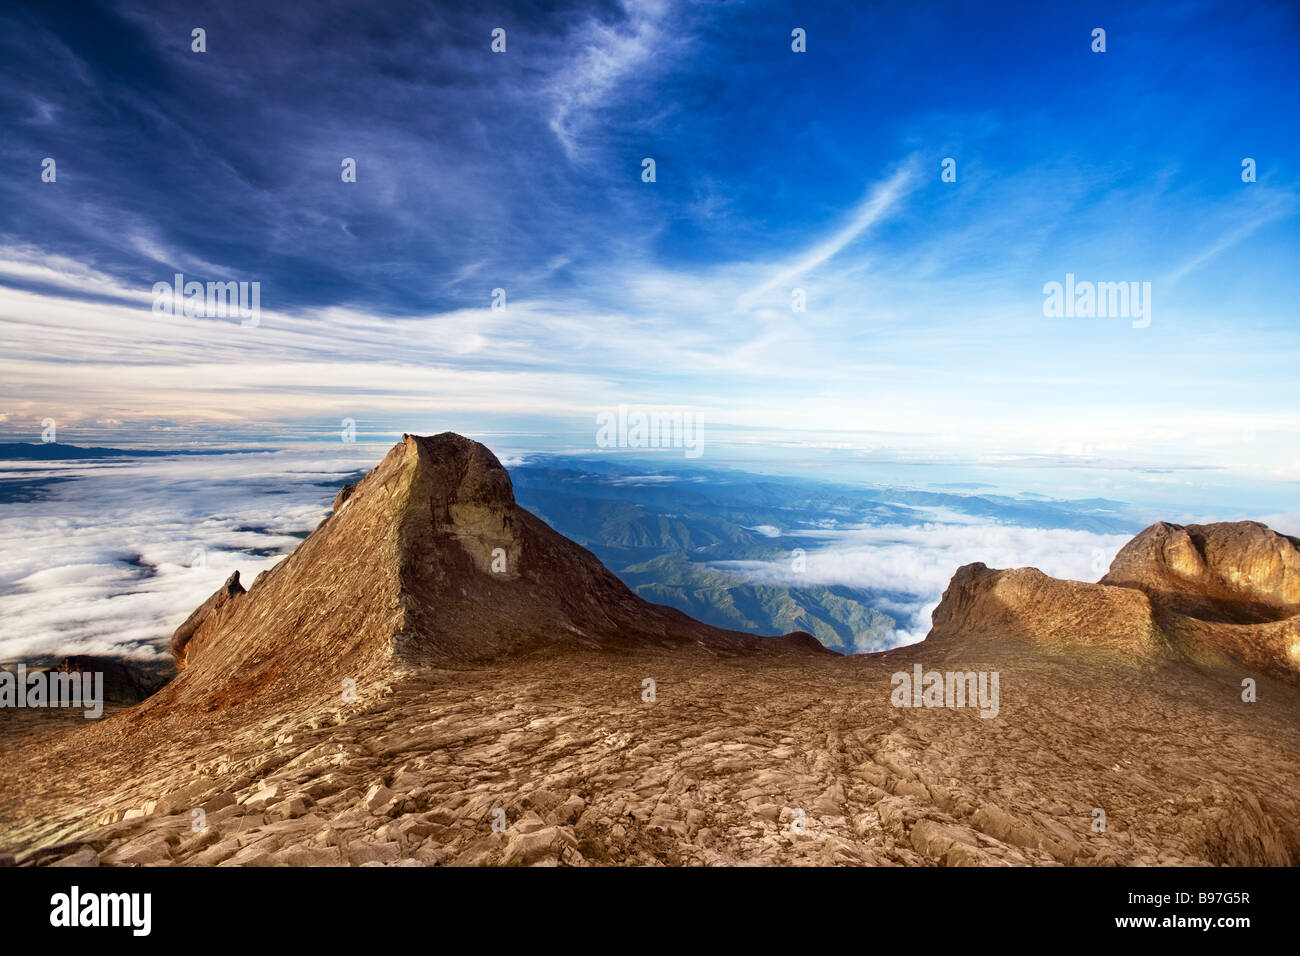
(426, 560)
(459, 471)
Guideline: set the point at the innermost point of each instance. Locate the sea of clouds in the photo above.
(113, 555)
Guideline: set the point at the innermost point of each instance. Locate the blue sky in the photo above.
(924, 336)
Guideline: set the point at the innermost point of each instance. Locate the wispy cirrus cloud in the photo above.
(609, 54)
(923, 334)
(878, 202)
(1276, 206)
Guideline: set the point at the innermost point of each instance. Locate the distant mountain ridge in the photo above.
(57, 451)
(663, 529)
(836, 616)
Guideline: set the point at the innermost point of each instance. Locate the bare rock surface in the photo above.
(984, 605)
(738, 760)
(392, 694)
(207, 617)
(1223, 597)
(1240, 571)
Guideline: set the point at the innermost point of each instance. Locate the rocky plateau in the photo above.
(437, 677)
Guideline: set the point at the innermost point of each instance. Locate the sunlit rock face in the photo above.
(1209, 568)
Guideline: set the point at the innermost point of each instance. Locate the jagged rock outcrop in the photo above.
(206, 619)
(1217, 595)
(344, 494)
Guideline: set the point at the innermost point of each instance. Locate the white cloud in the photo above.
(28, 264)
(875, 205)
(1280, 207)
(610, 54)
(109, 562)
